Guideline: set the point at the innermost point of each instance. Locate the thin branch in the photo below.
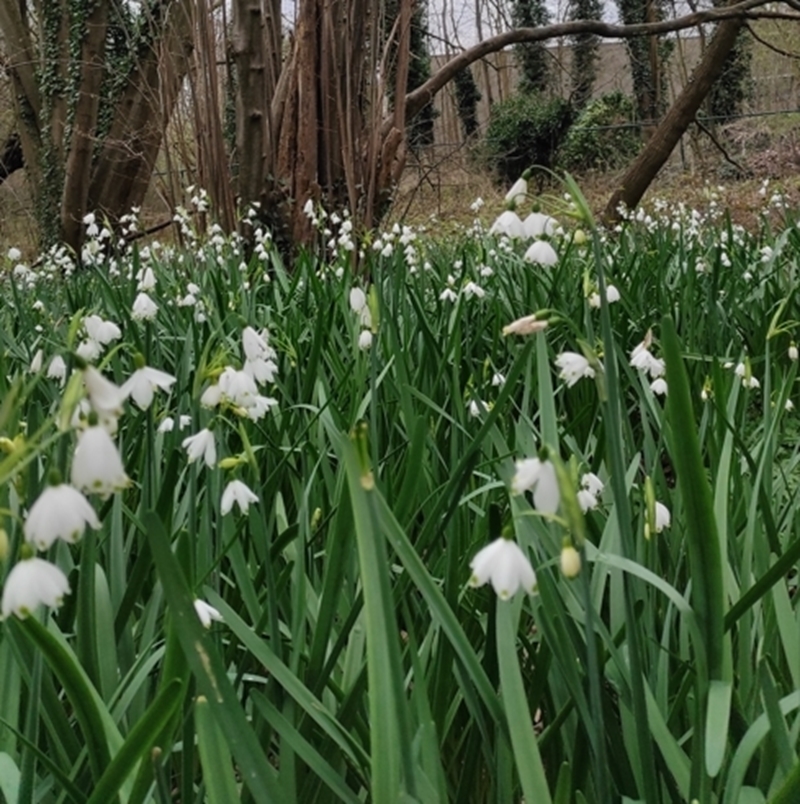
(419, 97)
(774, 48)
(721, 148)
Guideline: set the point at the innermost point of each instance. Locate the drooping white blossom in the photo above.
(31, 583)
(207, 613)
(505, 565)
(239, 493)
(201, 445)
(96, 463)
(539, 476)
(60, 512)
(572, 367)
(143, 383)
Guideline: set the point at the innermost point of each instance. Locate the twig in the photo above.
(770, 46)
(721, 148)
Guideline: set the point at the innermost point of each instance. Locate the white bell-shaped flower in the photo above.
(100, 331)
(143, 383)
(207, 613)
(254, 344)
(96, 464)
(105, 396)
(518, 192)
(147, 279)
(365, 340)
(31, 583)
(201, 445)
(508, 224)
(36, 364)
(663, 517)
(358, 300)
(540, 476)
(237, 387)
(506, 566)
(538, 224)
(60, 512)
(540, 252)
(57, 370)
(262, 370)
(239, 493)
(144, 308)
(572, 366)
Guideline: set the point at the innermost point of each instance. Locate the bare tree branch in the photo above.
(774, 48)
(419, 97)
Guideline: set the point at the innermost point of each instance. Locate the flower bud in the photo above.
(793, 354)
(579, 237)
(570, 561)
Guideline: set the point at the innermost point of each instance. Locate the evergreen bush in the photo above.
(523, 131)
(600, 137)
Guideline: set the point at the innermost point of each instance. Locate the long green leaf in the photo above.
(209, 671)
(215, 758)
(78, 689)
(137, 744)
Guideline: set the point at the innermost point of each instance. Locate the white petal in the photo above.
(526, 475)
(206, 613)
(483, 562)
(546, 496)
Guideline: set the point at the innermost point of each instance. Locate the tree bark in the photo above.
(78, 170)
(252, 100)
(655, 153)
(124, 166)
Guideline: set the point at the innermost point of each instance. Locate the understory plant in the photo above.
(418, 519)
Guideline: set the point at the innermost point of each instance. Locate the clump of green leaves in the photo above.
(602, 136)
(525, 130)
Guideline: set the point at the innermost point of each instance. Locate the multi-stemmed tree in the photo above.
(95, 85)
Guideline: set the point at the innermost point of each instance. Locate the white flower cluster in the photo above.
(359, 305)
(62, 511)
(643, 360)
(238, 388)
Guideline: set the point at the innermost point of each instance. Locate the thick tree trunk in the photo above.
(252, 99)
(655, 153)
(78, 169)
(124, 166)
(20, 66)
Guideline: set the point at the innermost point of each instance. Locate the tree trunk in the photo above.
(252, 100)
(78, 169)
(124, 166)
(655, 153)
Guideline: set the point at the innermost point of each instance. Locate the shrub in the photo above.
(523, 131)
(600, 137)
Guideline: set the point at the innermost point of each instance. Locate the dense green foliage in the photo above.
(532, 57)
(525, 130)
(353, 664)
(647, 56)
(602, 137)
(467, 97)
(734, 85)
(584, 51)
